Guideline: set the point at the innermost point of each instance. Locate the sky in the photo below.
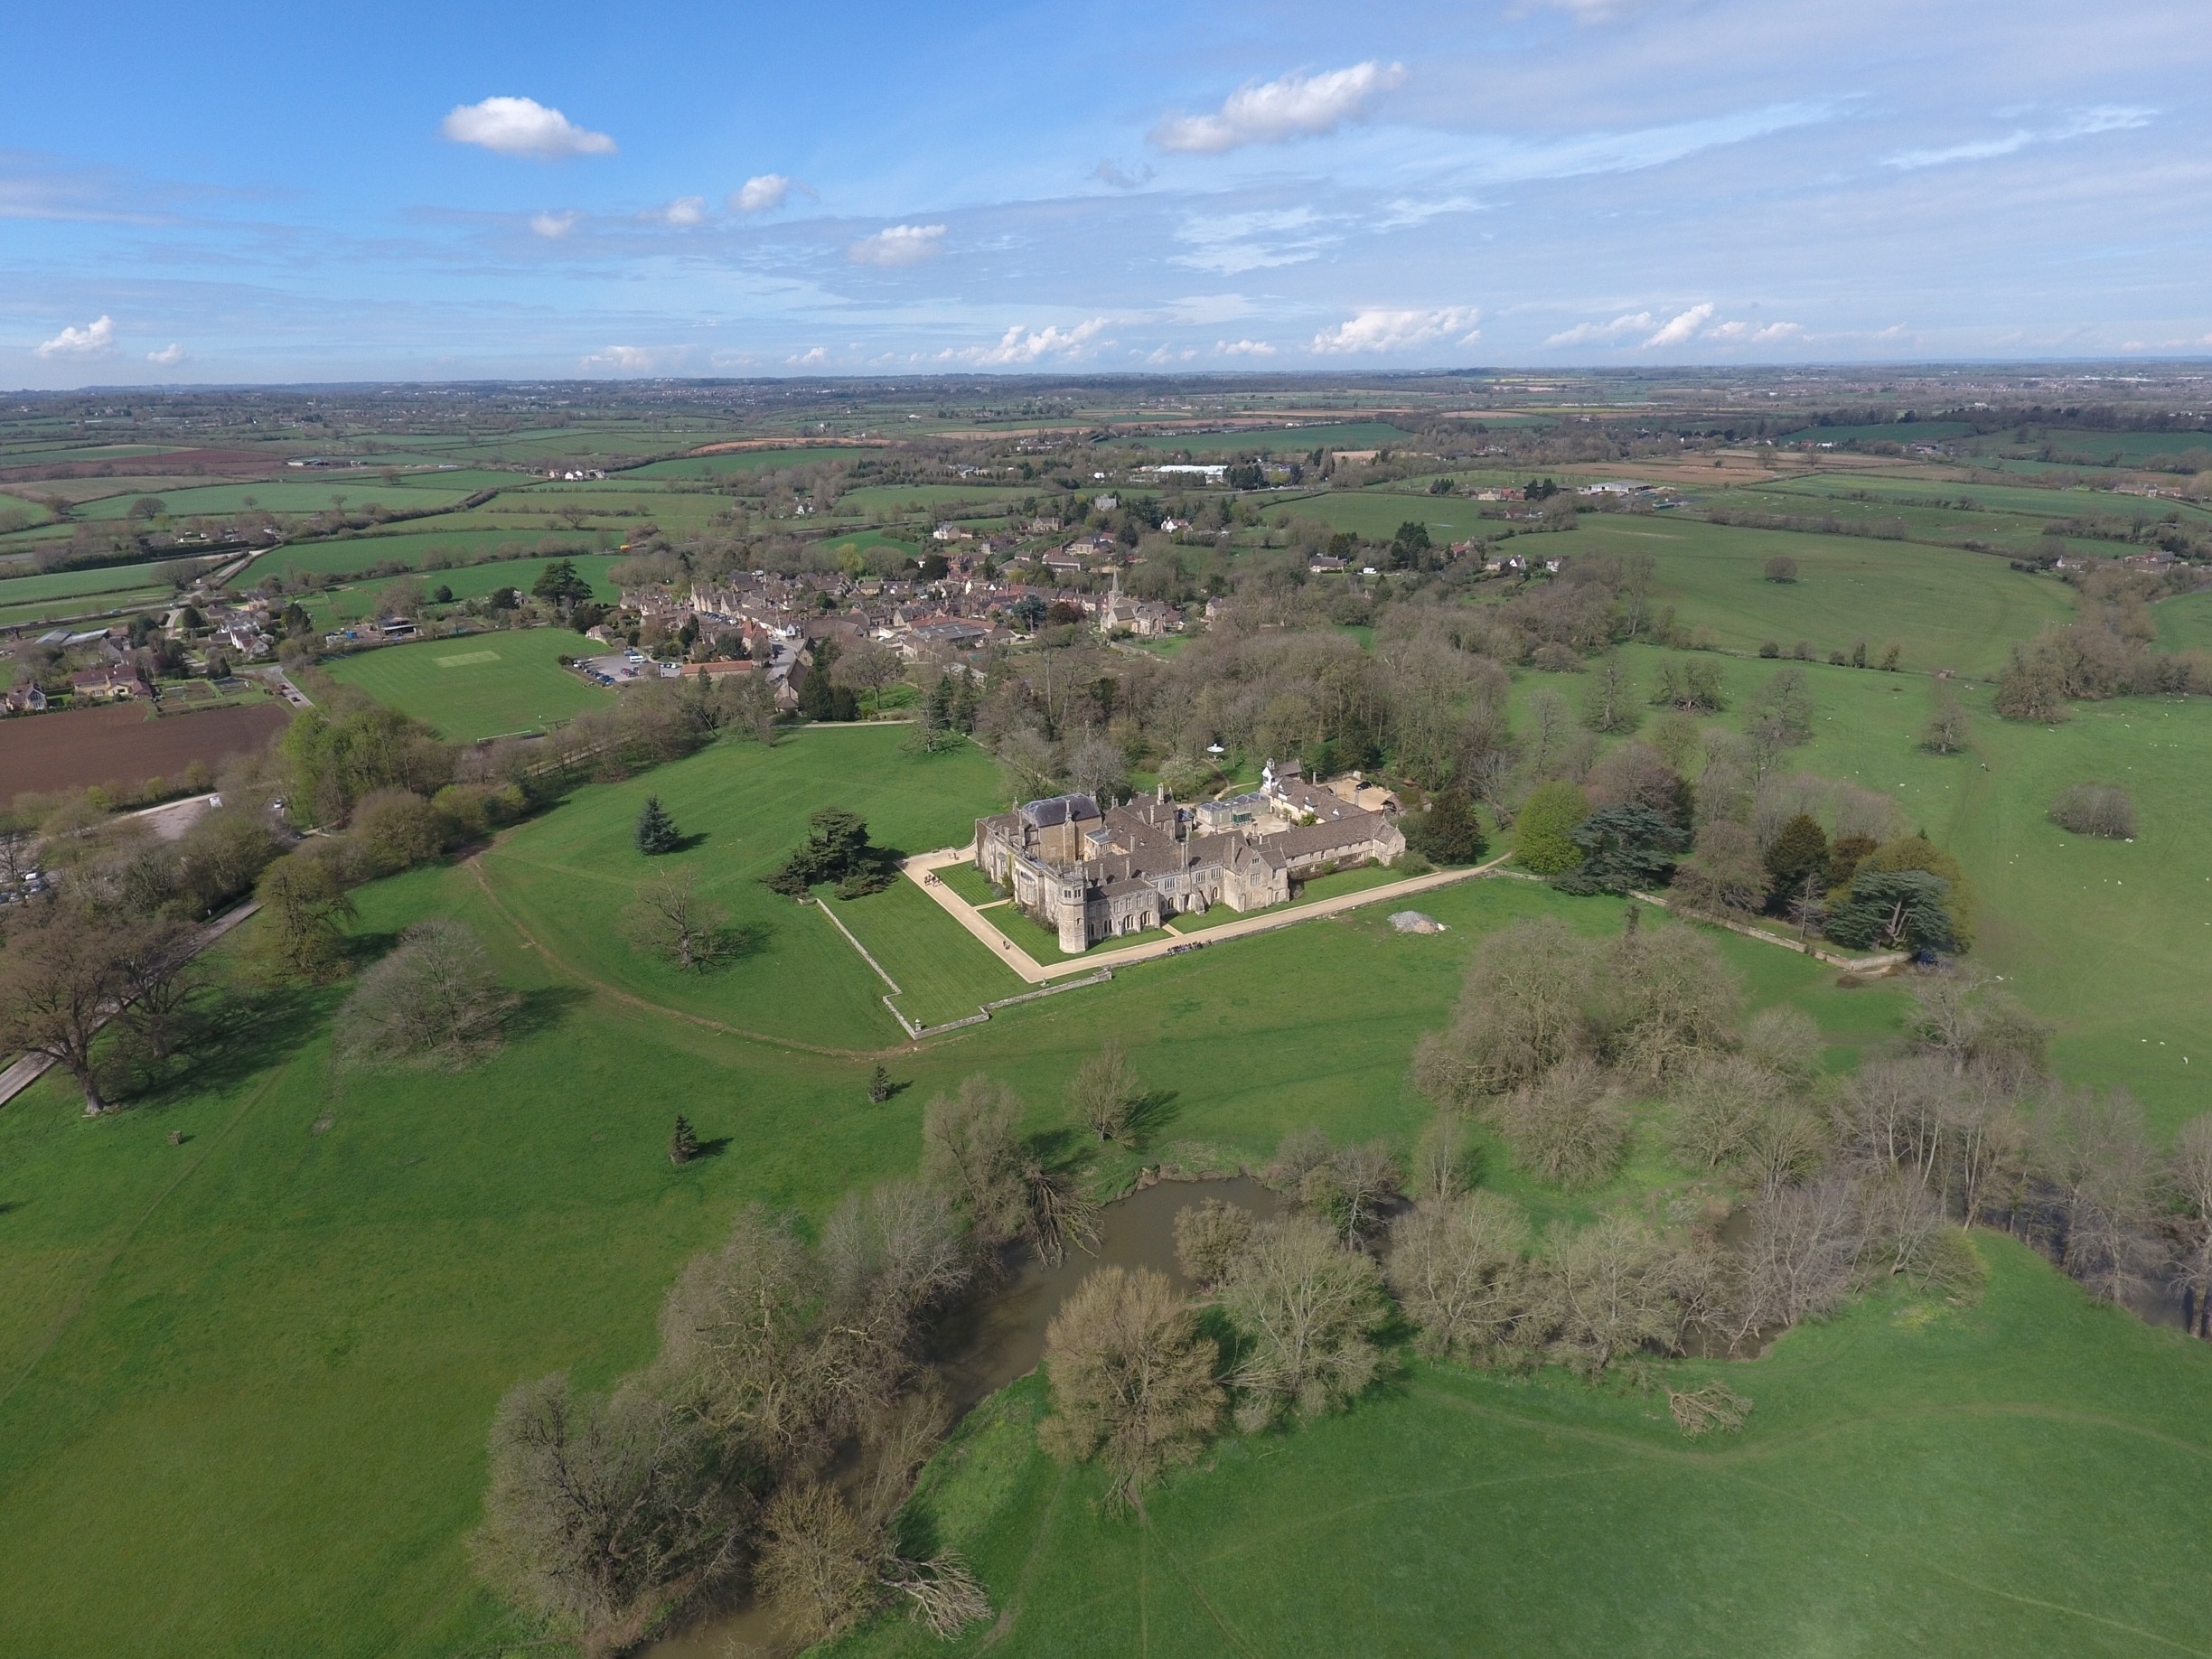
(238, 192)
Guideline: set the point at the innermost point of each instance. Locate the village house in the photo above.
(1091, 875)
(26, 699)
(110, 683)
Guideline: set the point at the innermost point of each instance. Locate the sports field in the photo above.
(480, 685)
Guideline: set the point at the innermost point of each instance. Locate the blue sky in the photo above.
(249, 192)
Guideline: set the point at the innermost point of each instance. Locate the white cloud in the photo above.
(1168, 354)
(636, 359)
(1235, 242)
(2082, 123)
(1584, 333)
(523, 127)
(1400, 331)
(95, 339)
(762, 193)
(899, 245)
(683, 213)
(1242, 348)
(1756, 333)
(810, 357)
(553, 226)
(1018, 345)
(1681, 327)
(169, 356)
(1292, 107)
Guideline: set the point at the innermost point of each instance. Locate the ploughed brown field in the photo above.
(119, 745)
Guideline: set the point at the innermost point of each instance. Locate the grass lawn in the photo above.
(568, 877)
(946, 973)
(480, 685)
(1376, 514)
(2029, 1474)
(970, 882)
(416, 549)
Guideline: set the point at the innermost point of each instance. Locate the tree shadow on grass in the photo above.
(541, 1010)
(1150, 1115)
(235, 1035)
(713, 1148)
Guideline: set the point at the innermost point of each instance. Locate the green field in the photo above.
(741, 461)
(1948, 608)
(482, 685)
(416, 549)
(2101, 938)
(282, 1339)
(414, 491)
(1896, 432)
(2027, 1475)
(359, 599)
(1376, 514)
(567, 879)
(135, 598)
(1278, 440)
(2185, 623)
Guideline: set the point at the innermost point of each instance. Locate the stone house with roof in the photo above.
(1090, 874)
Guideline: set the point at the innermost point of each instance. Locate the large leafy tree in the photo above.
(1624, 848)
(1902, 910)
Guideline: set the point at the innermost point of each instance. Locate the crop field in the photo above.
(1946, 608)
(479, 685)
(123, 744)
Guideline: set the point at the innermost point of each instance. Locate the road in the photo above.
(921, 868)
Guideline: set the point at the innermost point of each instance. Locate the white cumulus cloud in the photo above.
(1756, 333)
(95, 339)
(898, 245)
(1400, 331)
(1681, 327)
(1020, 345)
(683, 212)
(1619, 328)
(1242, 348)
(812, 357)
(169, 356)
(634, 360)
(523, 127)
(553, 226)
(1293, 105)
(762, 193)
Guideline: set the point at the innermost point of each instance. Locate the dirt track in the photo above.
(120, 744)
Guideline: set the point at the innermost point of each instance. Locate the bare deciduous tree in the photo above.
(1304, 1310)
(2098, 1169)
(672, 919)
(1568, 1126)
(1720, 1100)
(1207, 1237)
(2189, 1179)
(597, 1507)
(1526, 1006)
(1605, 1290)
(434, 1001)
(1105, 1092)
(972, 1152)
(1132, 1379)
(1457, 1265)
